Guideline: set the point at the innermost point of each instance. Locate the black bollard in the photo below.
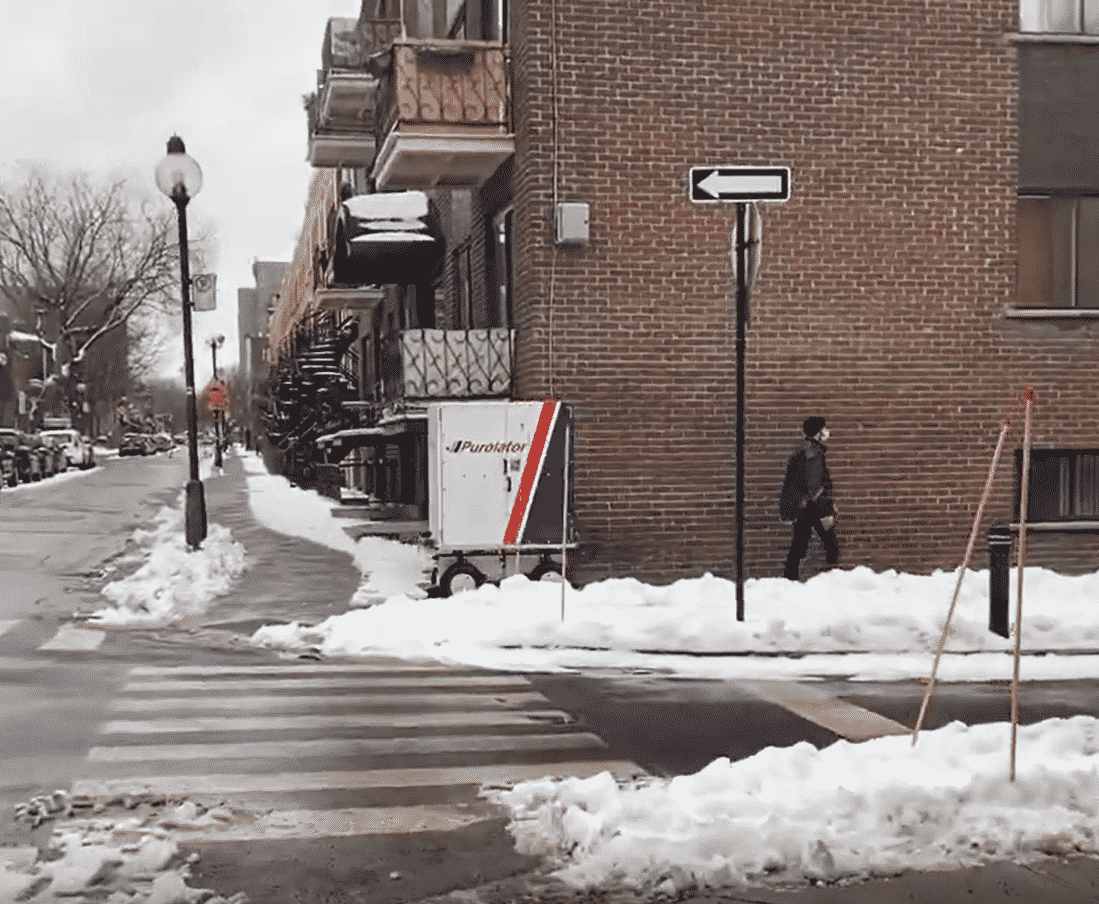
(999, 568)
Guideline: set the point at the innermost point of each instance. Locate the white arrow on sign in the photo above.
(716, 185)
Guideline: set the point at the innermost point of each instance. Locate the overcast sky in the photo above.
(100, 85)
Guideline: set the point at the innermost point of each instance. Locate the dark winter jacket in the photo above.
(807, 482)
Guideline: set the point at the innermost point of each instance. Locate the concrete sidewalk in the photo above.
(287, 578)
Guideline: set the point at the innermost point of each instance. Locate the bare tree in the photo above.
(86, 259)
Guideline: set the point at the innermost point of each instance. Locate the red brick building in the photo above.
(937, 255)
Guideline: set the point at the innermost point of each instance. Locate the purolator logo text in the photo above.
(466, 445)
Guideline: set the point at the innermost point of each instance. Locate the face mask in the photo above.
(824, 434)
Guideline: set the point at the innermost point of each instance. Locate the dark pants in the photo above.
(807, 522)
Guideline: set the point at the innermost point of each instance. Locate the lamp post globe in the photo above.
(180, 178)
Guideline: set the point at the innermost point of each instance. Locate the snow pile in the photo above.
(388, 568)
(887, 624)
(173, 582)
(133, 861)
(798, 813)
(839, 611)
(894, 621)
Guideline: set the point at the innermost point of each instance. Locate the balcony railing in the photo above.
(443, 114)
(341, 112)
(459, 82)
(447, 364)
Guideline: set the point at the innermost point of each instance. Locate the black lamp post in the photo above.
(180, 178)
(215, 343)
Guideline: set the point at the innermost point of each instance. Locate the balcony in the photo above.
(443, 114)
(341, 112)
(446, 364)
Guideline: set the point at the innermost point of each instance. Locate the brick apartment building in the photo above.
(937, 255)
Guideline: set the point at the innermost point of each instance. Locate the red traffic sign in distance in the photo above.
(216, 395)
(739, 183)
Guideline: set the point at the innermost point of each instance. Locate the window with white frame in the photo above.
(1059, 16)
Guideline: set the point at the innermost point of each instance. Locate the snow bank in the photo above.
(886, 624)
(799, 813)
(133, 860)
(173, 582)
(892, 621)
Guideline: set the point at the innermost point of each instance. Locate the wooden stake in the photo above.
(1024, 490)
(930, 690)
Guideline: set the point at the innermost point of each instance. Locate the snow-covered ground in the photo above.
(786, 814)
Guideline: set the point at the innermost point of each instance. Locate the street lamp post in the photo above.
(215, 344)
(180, 178)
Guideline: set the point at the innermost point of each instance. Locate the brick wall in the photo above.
(881, 299)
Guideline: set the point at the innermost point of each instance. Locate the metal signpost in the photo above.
(741, 185)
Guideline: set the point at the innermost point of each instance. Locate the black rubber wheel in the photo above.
(459, 577)
(13, 480)
(545, 570)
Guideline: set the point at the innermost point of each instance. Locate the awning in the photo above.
(352, 437)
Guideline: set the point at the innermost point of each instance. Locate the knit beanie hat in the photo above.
(812, 426)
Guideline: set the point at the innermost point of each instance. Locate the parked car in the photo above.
(135, 444)
(50, 454)
(9, 444)
(75, 448)
(28, 461)
(162, 442)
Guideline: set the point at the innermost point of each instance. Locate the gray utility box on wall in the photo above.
(571, 222)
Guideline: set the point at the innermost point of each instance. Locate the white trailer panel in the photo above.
(497, 474)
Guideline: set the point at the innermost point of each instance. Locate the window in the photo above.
(1058, 240)
(1064, 485)
(1059, 16)
(504, 270)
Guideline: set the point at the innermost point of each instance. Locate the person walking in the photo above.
(806, 500)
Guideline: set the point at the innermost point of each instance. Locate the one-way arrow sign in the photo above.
(740, 183)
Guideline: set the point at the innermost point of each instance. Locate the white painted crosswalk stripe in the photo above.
(347, 822)
(74, 639)
(220, 784)
(232, 684)
(279, 703)
(7, 624)
(337, 747)
(350, 720)
(327, 668)
(238, 720)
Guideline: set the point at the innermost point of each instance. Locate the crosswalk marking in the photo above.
(335, 747)
(237, 721)
(220, 784)
(840, 717)
(7, 624)
(335, 668)
(331, 684)
(281, 703)
(72, 638)
(351, 720)
(348, 822)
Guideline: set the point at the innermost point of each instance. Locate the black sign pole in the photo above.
(741, 321)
